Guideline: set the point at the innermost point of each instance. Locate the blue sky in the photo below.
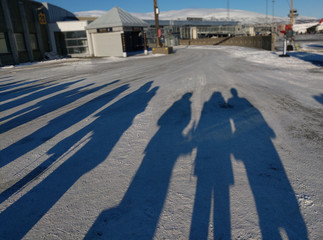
(311, 8)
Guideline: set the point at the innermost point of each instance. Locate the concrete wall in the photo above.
(107, 44)
(261, 42)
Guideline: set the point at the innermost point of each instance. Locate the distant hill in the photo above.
(245, 17)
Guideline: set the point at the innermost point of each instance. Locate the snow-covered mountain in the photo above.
(245, 17)
(93, 13)
(209, 14)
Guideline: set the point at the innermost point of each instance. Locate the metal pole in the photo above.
(228, 9)
(273, 11)
(266, 11)
(156, 11)
(292, 13)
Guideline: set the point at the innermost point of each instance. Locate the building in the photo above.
(69, 38)
(192, 28)
(116, 33)
(25, 32)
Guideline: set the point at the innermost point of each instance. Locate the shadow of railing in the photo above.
(106, 130)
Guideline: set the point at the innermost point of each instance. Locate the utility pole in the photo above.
(292, 13)
(156, 11)
(228, 9)
(266, 11)
(273, 10)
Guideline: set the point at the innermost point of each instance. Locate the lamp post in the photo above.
(292, 13)
(156, 11)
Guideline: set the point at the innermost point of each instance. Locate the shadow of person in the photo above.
(213, 170)
(137, 215)
(105, 132)
(276, 203)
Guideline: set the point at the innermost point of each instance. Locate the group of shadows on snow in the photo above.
(137, 215)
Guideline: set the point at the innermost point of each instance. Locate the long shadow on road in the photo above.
(235, 127)
(47, 132)
(47, 105)
(106, 130)
(250, 141)
(213, 169)
(30, 88)
(137, 215)
(32, 97)
(315, 59)
(276, 203)
(58, 124)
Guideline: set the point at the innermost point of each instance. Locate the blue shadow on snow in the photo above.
(19, 218)
(315, 59)
(319, 98)
(137, 215)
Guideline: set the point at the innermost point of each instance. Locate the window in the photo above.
(33, 41)
(3, 44)
(104, 30)
(77, 34)
(20, 42)
(76, 42)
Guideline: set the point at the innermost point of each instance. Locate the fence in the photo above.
(261, 42)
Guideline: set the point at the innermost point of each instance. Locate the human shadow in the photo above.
(137, 215)
(319, 98)
(49, 131)
(47, 105)
(276, 203)
(213, 170)
(106, 130)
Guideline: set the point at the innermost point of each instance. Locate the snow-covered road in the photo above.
(207, 143)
